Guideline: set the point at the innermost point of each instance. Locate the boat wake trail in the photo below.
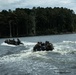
(65, 47)
(21, 60)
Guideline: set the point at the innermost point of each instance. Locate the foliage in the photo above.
(37, 21)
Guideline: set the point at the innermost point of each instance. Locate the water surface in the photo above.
(21, 60)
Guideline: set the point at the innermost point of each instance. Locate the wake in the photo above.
(65, 47)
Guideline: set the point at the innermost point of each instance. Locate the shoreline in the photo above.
(39, 35)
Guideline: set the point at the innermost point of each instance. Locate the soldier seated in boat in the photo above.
(43, 47)
(6, 41)
(11, 42)
(49, 46)
(19, 42)
(37, 47)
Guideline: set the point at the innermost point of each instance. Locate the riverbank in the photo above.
(38, 35)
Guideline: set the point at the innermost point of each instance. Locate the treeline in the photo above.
(36, 21)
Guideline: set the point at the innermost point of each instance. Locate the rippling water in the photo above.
(21, 60)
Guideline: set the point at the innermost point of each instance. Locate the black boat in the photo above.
(13, 42)
(43, 46)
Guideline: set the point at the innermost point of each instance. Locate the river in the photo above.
(21, 60)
